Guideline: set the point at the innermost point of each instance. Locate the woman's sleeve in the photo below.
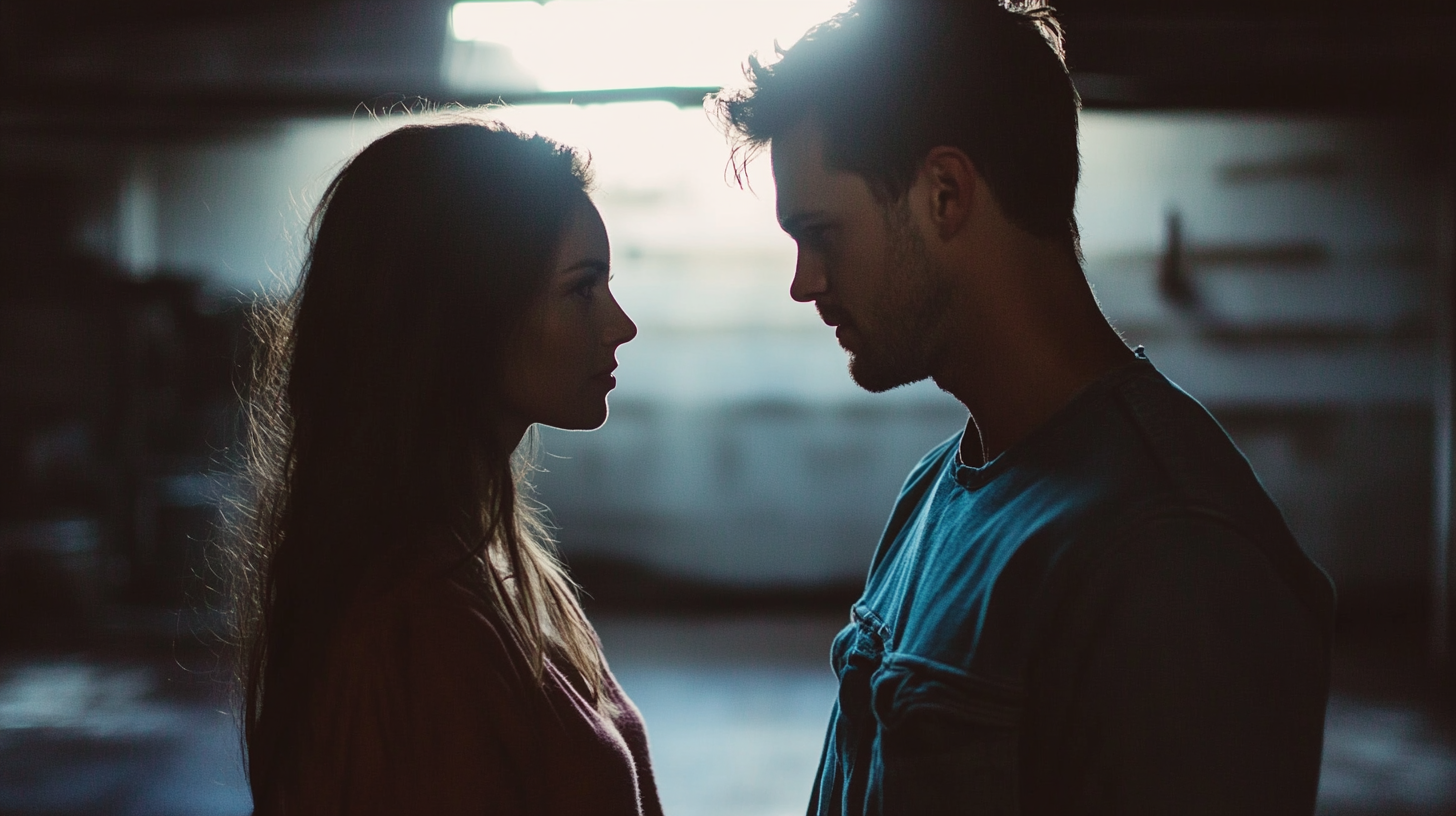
(438, 721)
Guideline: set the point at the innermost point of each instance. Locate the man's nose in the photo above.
(809, 280)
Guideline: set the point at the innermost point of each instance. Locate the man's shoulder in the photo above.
(937, 455)
(1136, 443)
(1181, 471)
(1186, 450)
(1140, 467)
(931, 462)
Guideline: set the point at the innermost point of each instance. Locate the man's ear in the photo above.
(951, 188)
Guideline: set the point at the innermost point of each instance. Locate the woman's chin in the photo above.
(584, 420)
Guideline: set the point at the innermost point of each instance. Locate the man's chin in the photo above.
(878, 376)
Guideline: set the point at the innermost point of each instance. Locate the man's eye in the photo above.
(816, 237)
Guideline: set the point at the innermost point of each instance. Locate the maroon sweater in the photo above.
(430, 709)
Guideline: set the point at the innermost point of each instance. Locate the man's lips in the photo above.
(844, 330)
(831, 315)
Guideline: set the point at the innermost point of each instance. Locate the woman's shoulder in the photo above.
(429, 618)
(425, 704)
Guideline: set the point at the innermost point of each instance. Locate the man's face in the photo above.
(861, 263)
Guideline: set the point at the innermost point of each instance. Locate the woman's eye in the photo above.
(585, 289)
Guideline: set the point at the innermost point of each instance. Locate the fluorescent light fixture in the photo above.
(584, 45)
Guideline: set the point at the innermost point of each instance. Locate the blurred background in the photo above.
(1268, 206)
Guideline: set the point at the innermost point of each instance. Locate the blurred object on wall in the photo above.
(114, 390)
(50, 580)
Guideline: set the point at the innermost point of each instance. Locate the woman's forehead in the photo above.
(585, 237)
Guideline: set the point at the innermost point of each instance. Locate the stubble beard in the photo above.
(899, 336)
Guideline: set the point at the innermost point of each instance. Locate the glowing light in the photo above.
(580, 45)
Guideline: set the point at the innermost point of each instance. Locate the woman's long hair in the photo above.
(374, 436)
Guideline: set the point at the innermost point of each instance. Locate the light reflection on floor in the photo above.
(736, 710)
(1382, 758)
(80, 737)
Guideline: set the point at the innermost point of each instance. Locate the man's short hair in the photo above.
(888, 80)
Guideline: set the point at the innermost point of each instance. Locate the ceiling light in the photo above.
(583, 45)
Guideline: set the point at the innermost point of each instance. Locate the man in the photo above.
(1085, 603)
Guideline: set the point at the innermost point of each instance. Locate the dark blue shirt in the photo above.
(1110, 617)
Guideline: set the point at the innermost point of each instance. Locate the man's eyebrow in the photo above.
(592, 264)
(796, 222)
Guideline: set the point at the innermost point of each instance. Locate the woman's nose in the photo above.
(621, 329)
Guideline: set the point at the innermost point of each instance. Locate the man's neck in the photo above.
(1017, 359)
(1013, 397)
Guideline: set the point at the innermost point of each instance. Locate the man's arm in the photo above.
(1185, 677)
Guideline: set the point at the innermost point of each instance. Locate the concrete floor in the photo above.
(736, 709)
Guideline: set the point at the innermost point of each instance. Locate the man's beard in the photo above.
(897, 339)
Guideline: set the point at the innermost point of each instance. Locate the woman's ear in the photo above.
(949, 185)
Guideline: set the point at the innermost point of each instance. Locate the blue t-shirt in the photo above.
(1110, 617)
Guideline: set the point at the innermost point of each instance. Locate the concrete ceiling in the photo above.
(170, 65)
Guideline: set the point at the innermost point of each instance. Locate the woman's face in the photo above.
(561, 364)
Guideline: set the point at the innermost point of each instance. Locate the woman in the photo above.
(410, 644)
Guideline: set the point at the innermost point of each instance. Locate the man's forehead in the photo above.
(798, 153)
(807, 188)
(802, 179)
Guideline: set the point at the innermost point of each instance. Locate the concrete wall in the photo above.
(1296, 301)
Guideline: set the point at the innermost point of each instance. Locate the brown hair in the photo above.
(372, 448)
(888, 80)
